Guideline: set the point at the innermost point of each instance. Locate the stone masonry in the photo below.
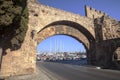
(99, 33)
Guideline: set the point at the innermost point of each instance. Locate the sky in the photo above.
(60, 43)
(111, 7)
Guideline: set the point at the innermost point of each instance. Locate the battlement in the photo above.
(93, 13)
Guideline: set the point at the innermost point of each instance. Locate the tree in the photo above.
(13, 23)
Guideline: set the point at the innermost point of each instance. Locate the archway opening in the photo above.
(116, 54)
(62, 48)
(116, 59)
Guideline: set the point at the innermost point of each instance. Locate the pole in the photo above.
(1, 51)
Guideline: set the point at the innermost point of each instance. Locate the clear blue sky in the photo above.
(60, 43)
(111, 7)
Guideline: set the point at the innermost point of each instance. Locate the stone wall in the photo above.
(93, 13)
(41, 15)
(110, 28)
(22, 61)
(107, 40)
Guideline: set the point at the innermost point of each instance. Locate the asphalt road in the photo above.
(74, 72)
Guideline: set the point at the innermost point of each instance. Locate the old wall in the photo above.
(93, 13)
(41, 15)
(110, 28)
(23, 61)
(107, 40)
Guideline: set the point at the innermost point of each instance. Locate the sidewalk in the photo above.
(39, 75)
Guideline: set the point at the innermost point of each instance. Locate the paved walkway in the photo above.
(39, 75)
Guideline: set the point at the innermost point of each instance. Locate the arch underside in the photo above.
(82, 29)
(64, 30)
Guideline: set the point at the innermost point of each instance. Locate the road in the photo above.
(75, 72)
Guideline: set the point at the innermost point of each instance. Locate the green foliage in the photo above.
(8, 11)
(13, 23)
(20, 33)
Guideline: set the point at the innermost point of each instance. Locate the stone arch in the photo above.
(72, 29)
(74, 25)
(64, 30)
